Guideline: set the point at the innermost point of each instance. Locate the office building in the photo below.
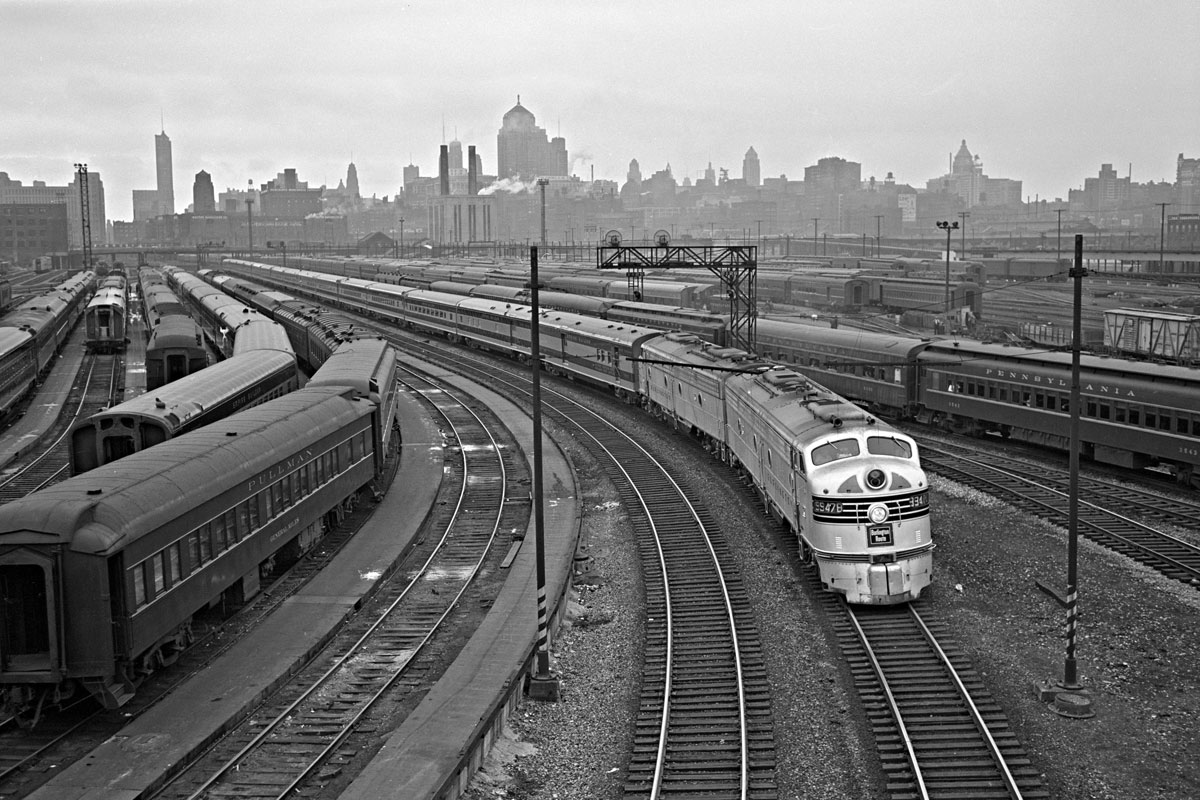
(523, 151)
(166, 183)
(203, 198)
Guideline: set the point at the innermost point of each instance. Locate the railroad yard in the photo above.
(1136, 654)
(802, 709)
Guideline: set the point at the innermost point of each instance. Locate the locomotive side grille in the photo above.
(854, 512)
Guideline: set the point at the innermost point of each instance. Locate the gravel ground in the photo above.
(1137, 654)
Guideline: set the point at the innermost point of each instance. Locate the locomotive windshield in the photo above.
(888, 446)
(832, 451)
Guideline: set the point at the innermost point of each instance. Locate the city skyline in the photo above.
(245, 91)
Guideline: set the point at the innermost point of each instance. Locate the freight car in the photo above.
(101, 575)
(1154, 334)
(1050, 270)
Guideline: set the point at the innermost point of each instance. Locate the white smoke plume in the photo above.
(512, 185)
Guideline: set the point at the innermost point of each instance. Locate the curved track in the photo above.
(93, 389)
(308, 725)
(1047, 497)
(704, 722)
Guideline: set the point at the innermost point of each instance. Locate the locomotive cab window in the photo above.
(833, 451)
(888, 446)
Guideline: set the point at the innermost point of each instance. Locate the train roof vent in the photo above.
(231, 433)
(785, 380)
(94, 491)
(159, 403)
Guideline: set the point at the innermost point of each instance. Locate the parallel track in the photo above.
(308, 726)
(704, 721)
(93, 389)
(1046, 496)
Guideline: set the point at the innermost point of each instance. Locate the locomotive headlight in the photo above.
(877, 513)
(876, 479)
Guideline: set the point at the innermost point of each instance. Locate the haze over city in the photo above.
(1042, 94)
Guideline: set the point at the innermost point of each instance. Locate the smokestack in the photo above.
(472, 176)
(444, 170)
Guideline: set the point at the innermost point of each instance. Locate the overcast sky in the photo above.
(1043, 90)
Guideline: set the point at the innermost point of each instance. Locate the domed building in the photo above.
(523, 150)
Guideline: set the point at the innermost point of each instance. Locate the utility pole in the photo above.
(1162, 230)
(947, 227)
(878, 223)
(1069, 697)
(543, 683)
(815, 221)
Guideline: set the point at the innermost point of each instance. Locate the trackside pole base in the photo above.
(1074, 702)
(545, 687)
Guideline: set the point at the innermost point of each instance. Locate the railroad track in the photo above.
(704, 724)
(938, 732)
(1046, 496)
(94, 388)
(309, 729)
(61, 736)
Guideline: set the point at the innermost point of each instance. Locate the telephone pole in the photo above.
(1162, 230)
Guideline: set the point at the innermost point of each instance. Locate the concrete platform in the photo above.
(47, 403)
(151, 746)
(441, 745)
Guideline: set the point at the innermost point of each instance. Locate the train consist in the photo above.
(850, 487)
(107, 315)
(1133, 414)
(174, 344)
(854, 291)
(102, 575)
(32, 334)
(262, 365)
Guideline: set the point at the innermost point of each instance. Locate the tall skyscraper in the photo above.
(166, 184)
(751, 171)
(1187, 185)
(523, 151)
(203, 199)
(352, 181)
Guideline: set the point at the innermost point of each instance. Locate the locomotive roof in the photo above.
(799, 406)
(111, 507)
(688, 348)
(11, 339)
